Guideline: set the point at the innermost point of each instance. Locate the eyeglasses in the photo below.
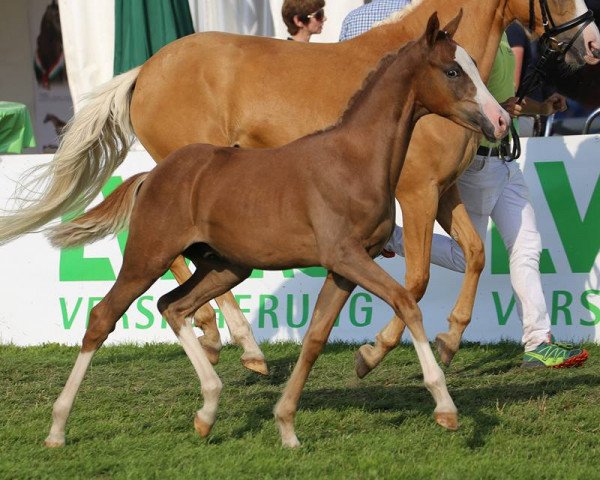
(319, 15)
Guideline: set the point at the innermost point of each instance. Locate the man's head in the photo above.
(303, 13)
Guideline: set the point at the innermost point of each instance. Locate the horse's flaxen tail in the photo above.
(109, 217)
(95, 142)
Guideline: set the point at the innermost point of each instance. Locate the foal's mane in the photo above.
(366, 86)
(370, 81)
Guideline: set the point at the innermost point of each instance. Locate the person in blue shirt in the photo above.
(362, 18)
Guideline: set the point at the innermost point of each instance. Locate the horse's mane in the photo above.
(399, 15)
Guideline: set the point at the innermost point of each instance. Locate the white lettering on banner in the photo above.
(48, 294)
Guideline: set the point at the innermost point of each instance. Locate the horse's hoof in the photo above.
(255, 364)
(445, 349)
(54, 441)
(212, 353)
(447, 420)
(291, 442)
(362, 364)
(202, 426)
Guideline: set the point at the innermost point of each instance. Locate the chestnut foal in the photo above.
(325, 199)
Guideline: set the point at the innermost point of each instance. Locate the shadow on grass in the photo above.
(476, 403)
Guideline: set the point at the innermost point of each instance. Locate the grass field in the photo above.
(133, 417)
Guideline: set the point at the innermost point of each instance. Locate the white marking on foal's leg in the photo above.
(209, 380)
(240, 330)
(433, 377)
(64, 402)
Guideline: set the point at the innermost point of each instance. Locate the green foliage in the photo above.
(133, 417)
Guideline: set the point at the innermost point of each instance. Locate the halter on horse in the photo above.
(552, 51)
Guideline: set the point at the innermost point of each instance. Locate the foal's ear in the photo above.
(433, 27)
(452, 26)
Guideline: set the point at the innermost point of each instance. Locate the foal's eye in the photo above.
(452, 73)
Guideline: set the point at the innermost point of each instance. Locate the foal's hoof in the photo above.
(445, 348)
(202, 426)
(363, 360)
(255, 364)
(54, 441)
(212, 353)
(447, 420)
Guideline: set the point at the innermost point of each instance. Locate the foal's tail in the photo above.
(109, 217)
(95, 142)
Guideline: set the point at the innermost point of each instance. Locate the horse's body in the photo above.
(256, 92)
(328, 199)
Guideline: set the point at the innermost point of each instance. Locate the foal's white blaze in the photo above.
(492, 110)
(591, 35)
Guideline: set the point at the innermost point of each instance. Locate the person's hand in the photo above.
(513, 108)
(554, 103)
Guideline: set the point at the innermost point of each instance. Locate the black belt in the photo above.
(487, 151)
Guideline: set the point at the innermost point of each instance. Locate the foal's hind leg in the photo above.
(204, 317)
(239, 327)
(453, 217)
(103, 319)
(204, 284)
(332, 297)
(358, 267)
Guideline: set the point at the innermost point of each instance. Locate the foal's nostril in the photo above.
(501, 122)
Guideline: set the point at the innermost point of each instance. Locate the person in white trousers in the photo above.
(492, 187)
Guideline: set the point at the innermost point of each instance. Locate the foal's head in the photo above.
(449, 84)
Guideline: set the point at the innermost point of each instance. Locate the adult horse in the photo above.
(328, 199)
(247, 91)
(582, 85)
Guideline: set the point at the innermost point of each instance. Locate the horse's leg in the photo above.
(417, 217)
(103, 319)
(206, 283)
(332, 297)
(252, 358)
(359, 268)
(454, 218)
(204, 318)
(239, 327)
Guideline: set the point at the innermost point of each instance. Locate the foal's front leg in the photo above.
(332, 297)
(359, 268)
(418, 211)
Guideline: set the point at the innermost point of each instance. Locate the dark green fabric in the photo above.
(142, 27)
